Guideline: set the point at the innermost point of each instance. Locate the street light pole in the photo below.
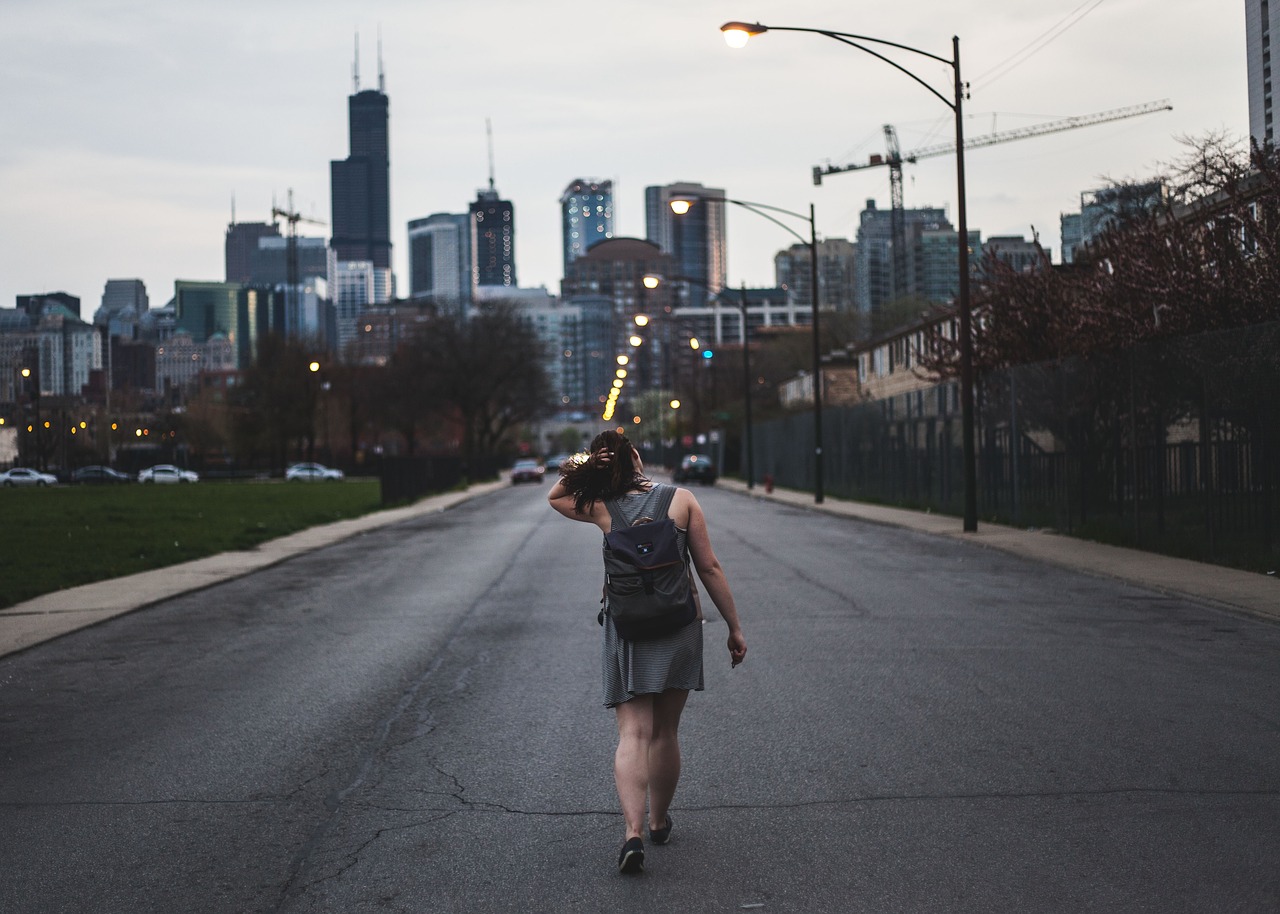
(681, 205)
(746, 392)
(737, 34)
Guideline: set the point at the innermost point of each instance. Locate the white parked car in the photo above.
(167, 473)
(21, 476)
(312, 471)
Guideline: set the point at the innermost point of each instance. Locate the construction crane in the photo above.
(893, 159)
(293, 217)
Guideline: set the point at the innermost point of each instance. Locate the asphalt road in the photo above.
(410, 721)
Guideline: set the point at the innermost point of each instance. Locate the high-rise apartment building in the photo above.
(240, 313)
(1104, 207)
(696, 239)
(493, 240)
(440, 259)
(240, 246)
(836, 272)
(1261, 25)
(269, 263)
(586, 216)
(361, 194)
(35, 305)
(125, 294)
(874, 268)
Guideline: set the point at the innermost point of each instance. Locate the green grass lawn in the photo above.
(61, 537)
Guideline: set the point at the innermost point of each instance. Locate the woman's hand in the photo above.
(603, 457)
(737, 647)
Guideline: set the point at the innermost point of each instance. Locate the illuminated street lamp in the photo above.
(682, 205)
(737, 34)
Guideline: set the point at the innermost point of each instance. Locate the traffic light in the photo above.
(707, 354)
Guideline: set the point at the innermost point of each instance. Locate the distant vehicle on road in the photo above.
(526, 471)
(167, 474)
(696, 468)
(313, 472)
(22, 476)
(99, 476)
(555, 461)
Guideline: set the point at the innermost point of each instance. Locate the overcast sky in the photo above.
(126, 128)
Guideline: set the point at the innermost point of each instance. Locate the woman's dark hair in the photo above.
(589, 479)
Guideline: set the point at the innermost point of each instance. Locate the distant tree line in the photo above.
(456, 385)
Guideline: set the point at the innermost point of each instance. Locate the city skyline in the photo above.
(123, 159)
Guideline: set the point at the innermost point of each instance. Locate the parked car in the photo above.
(313, 472)
(696, 468)
(99, 476)
(167, 473)
(526, 471)
(21, 476)
(556, 461)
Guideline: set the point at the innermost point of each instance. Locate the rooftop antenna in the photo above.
(488, 132)
(382, 80)
(233, 208)
(355, 68)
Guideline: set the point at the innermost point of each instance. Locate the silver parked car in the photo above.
(21, 476)
(167, 473)
(313, 471)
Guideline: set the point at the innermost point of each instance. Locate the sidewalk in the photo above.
(64, 611)
(1241, 591)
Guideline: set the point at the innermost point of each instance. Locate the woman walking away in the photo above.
(646, 679)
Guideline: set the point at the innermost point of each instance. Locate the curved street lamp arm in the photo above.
(759, 210)
(950, 103)
(852, 40)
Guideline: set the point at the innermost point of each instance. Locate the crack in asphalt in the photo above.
(377, 745)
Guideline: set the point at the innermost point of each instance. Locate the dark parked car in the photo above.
(526, 471)
(696, 468)
(99, 476)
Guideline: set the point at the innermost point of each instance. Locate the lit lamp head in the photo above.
(680, 206)
(651, 281)
(737, 34)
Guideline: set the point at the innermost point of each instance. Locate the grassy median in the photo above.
(60, 537)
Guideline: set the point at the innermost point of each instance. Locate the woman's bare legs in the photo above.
(648, 757)
(664, 754)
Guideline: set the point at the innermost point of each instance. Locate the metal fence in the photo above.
(1171, 447)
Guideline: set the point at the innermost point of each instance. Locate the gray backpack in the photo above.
(646, 574)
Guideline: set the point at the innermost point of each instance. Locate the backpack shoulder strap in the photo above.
(615, 513)
(666, 494)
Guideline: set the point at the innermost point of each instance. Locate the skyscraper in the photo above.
(241, 243)
(493, 240)
(696, 240)
(873, 271)
(586, 216)
(120, 294)
(1261, 21)
(440, 258)
(360, 188)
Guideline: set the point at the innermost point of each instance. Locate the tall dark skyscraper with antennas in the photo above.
(360, 187)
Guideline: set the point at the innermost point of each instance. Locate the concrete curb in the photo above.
(52, 615)
(1228, 588)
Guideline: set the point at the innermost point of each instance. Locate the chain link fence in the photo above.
(1170, 447)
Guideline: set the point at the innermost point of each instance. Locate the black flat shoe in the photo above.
(631, 857)
(661, 835)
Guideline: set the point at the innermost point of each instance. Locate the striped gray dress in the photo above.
(634, 668)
